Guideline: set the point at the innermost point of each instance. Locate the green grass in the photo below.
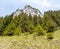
(30, 42)
(56, 34)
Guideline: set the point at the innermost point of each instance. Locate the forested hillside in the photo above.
(23, 24)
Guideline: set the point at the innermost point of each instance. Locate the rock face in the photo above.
(17, 12)
(28, 10)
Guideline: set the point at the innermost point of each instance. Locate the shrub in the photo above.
(39, 30)
(9, 30)
(50, 36)
(17, 31)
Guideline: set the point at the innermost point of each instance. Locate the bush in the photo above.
(39, 30)
(17, 31)
(9, 30)
(26, 33)
(50, 36)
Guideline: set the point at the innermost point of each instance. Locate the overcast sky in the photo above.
(9, 6)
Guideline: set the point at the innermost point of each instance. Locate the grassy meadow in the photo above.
(30, 32)
(30, 42)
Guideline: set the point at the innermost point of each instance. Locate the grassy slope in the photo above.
(30, 42)
(57, 34)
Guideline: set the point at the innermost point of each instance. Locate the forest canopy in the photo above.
(23, 23)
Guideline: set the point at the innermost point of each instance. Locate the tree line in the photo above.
(23, 23)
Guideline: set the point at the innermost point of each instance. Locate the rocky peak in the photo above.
(17, 12)
(27, 6)
(28, 10)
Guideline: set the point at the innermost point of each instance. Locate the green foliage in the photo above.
(49, 24)
(39, 30)
(1, 29)
(18, 31)
(50, 36)
(54, 15)
(6, 20)
(9, 31)
(35, 20)
(16, 25)
(30, 28)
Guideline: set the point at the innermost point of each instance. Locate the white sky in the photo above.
(9, 6)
